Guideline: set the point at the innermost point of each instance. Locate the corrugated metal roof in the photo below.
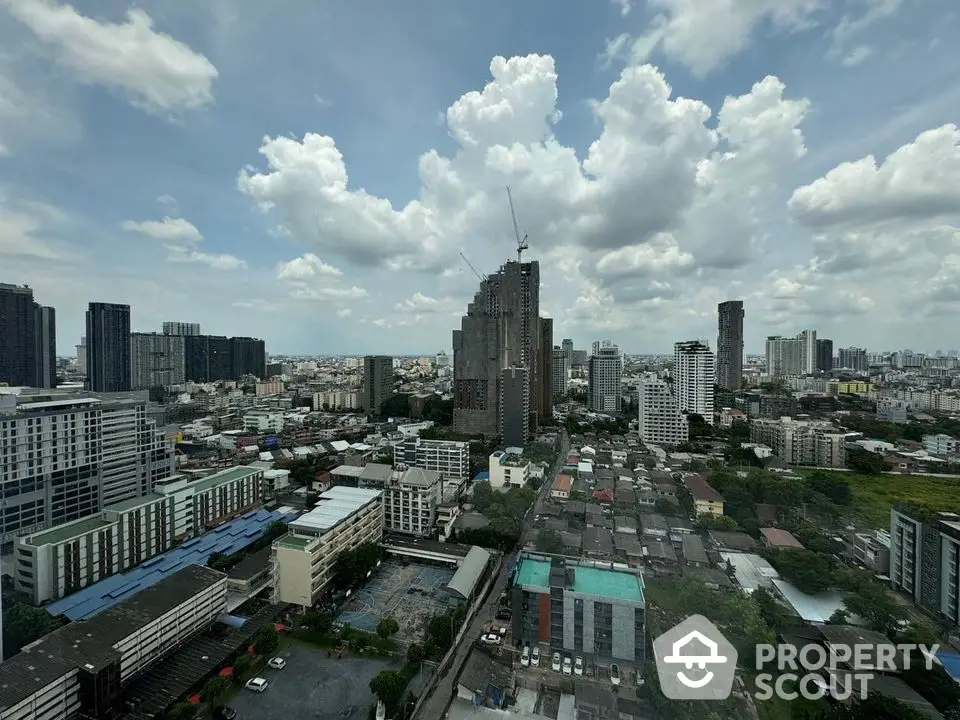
(464, 581)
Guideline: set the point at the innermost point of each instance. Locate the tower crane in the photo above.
(482, 278)
(522, 243)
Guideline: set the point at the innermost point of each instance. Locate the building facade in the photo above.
(544, 375)
(559, 373)
(941, 444)
(577, 608)
(514, 406)
(660, 418)
(108, 347)
(28, 339)
(792, 356)
(801, 442)
(824, 355)
(45, 320)
(604, 377)
(917, 540)
(508, 469)
(853, 358)
(157, 360)
(694, 375)
(730, 345)
(410, 500)
(450, 458)
(181, 328)
(209, 358)
(377, 382)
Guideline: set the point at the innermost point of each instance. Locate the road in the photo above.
(436, 705)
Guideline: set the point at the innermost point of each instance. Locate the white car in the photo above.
(490, 639)
(256, 684)
(525, 656)
(535, 657)
(567, 666)
(615, 674)
(555, 665)
(277, 663)
(578, 666)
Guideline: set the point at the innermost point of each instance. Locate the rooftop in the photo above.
(348, 470)
(587, 580)
(780, 538)
(333, 507)
(65, 532)
(420, 477)
(225, 476)
(228, 539)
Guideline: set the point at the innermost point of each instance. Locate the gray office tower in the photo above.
(377, 382)
(500, 330)
(730, 345)
(567, 347)
(514, 418)
(108, 347)
(28, 339)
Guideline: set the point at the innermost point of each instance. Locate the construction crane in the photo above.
(522, 243)
(482, 278)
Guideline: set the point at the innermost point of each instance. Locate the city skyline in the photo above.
(339, 202)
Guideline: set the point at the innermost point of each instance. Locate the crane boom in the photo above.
(522, 243)
(470, 265)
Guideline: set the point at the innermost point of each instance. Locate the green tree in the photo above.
(665, 507)
(395, 406)
(24, 624)
(387, 627)
(215, 689)
(835, 488)
(769, 608)
(866, 462)
(874, 604)
(267, 640)
(242, 667)
(550, 542)
(182, 711)
(810, 572)
(388, 686)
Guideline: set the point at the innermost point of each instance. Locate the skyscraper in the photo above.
(545, 373)
(377, 382)
(157, 360)
(792, 356)
(730, 344)
(559, 372)
(567, 347)
(694, 374)
(514, 420)
(108, 347)
(18, 338)
(501, 329)
(45, 327)
(181, 328)
(824, 355)
(605, 373)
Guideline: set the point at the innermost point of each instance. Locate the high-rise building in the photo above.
(560, 372)
(82, 356)
(209, 358)
(377, 382)
(500, 330)
(604, 377)
(918, 539)
(694, 375)
(45, 325)
(544, 374)
(450, 458)
(70, 455)
(157, 360)
(108, 347)
(514, 404)
(567, 346)
(824, 355)
(249, 356)
(730, 344)
(660, 419)
(854, 358)
(792, 356)
(181, 328)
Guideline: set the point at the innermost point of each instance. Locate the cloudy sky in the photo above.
(308, 171)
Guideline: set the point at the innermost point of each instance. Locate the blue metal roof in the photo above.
(227, 539)
(485, 475)
(951, 663)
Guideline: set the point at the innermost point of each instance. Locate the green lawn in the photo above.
(874, 495)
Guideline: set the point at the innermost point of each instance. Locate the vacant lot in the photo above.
(874, 495)
(312, 687)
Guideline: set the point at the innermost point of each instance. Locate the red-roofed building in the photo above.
(562, 487)
(604, 496)
(779, 539)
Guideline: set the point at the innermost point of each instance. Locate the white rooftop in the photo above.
(333, 507)
(751, 571)
(814, 608)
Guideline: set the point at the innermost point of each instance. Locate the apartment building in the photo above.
(694, 375)
(65, 456)
(660, 420)
(410, 499)
(514, 405)
(55, 563)
(508, 469)
(792, 356)
(450, 458)
(580, 608)
(605, 371)
(304, 559)
(924, 551)
(268, 388)
(156, 360)
(263, 421)
(82, 669)
(377, 382)
(730, 344)
(706, 500)
(559, 372)
(801, 442)
(336, 400)
(941, 444)
(892, 410)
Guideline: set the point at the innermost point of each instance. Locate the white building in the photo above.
(450, 458)
(266, 388)
(605, 374)
(694, 375)
(54, 563)
(304, 559)
(336, 400)
(792, 356)
(508, 469)
(941, 444)
(801, 442)
(263, 421)
(410, 500)
(108, 651)
(660, 419)
(64, 456)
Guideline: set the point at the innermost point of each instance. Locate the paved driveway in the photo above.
(312, 687)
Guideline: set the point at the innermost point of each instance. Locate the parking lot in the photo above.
(312, 687)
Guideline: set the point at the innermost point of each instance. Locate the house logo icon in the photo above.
(695, 661)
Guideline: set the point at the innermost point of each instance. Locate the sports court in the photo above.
(411, 593)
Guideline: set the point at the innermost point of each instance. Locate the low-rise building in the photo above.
(801, 442)
(263, 421)
(450, 458)
(779, 539)
(508, 469)
(562, 487)
(706, 500)
(57, 562)
(304, 559)
(81, 669)
(941, 444)
(410, 499)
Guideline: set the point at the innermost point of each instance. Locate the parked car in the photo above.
(535, 657)
(578, 666)
(277, 663)
(525, 656)
(504, 614)
(567, 666)
(256, 684)
(555, 665)
(615, 674)
(490, 639)
(224, 712)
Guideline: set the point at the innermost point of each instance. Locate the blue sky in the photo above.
(189, 159)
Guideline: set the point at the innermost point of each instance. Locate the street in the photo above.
(436, 705)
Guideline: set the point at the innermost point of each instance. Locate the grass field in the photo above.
(874, 495)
